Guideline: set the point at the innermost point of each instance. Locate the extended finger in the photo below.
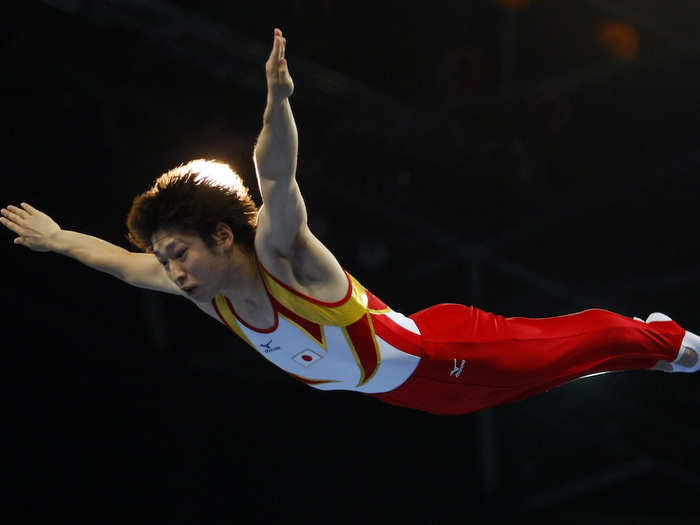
(17, 211)
(7, 223)
(10, 215)
(29, 208)
(273, 52)
(276, 42)
(278, 48)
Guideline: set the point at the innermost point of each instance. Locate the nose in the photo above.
(177, 272)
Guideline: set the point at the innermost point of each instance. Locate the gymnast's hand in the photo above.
(279, 81)
(34, 228)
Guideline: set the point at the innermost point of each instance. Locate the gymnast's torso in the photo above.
(355, 343)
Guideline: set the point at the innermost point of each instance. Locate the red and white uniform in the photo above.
(446, 359)
(357, 343)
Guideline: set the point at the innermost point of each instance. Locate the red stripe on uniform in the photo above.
(363, 340)
(259, 330)
(314, 329)
(396, 335)
(374, 303)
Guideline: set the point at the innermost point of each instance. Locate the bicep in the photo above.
(144, 271)
(283, 234)
(282, 218)
(307, 266)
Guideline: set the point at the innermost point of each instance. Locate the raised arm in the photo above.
(37, 231)
(283, 240)
(275, 158)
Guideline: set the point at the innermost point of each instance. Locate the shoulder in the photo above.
(308, 266)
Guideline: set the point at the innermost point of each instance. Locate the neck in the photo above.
(244, 283)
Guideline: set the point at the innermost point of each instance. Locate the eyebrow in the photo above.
(166, 248)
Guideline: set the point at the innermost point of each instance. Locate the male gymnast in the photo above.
(264, 275)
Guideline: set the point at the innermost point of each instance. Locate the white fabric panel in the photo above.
(403, 321)
(292, 350)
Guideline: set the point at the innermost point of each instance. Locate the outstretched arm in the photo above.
(283, 232)
(37, 231)
(275, 158)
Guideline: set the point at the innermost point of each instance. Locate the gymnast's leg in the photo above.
(527, 351)
(473, 359)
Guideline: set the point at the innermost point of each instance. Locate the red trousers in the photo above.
(474, 359)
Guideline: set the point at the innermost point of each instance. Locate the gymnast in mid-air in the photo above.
(263, 274)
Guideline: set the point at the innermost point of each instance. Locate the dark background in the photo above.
(531, 160)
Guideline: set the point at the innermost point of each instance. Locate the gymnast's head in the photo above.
(202, 200)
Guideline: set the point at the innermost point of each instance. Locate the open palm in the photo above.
(33, 226)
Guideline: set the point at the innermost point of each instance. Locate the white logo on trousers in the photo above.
(457, 369)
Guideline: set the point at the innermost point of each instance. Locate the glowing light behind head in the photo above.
(216, 174)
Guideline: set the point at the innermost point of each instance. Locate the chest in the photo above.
(331, 345)
(261, 316)
(352, 357)
(322, 356)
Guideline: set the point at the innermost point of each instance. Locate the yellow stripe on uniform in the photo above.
(379, 312)
(230, 319)
(341, 315)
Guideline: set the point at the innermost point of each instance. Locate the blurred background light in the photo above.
(619, 40)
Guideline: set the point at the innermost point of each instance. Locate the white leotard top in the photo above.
(357, 343)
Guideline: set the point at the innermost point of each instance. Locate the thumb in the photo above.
(18, 240)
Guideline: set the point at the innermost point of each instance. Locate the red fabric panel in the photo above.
(374, 303)
(314, 329)
(397, 336)
(507, 359)
(363, 340)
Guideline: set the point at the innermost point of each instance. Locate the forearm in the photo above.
(276, 150)
(91, 251)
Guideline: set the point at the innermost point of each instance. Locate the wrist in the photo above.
(55, 241)
(273, 110)
(275, 101)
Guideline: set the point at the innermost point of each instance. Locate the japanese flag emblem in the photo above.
(307, 357)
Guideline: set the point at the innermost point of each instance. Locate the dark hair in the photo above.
(194, 198)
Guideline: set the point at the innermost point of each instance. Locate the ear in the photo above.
(223, 235)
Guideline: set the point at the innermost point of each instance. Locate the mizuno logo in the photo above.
(267, 348)
(457, 370)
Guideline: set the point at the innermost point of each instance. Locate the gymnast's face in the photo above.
(191, 264)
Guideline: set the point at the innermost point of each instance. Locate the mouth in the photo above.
(189, 290)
